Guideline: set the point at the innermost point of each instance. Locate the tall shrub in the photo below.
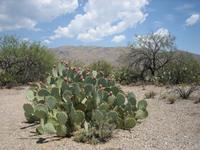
(24, 61)
(184, 68)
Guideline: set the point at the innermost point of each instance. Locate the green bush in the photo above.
(102, 66)
(6, 80)
(83, 103)
(126, 76)
(24, 61)
(182, 69)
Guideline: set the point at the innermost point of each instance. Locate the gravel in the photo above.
(168, 127)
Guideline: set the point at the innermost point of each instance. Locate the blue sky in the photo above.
(101, 22)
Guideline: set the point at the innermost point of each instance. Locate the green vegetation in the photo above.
(83, 103)
(103, 66)
(125, 76)
(183, 69)
(153, 58)
(150, 53)
(22, 61)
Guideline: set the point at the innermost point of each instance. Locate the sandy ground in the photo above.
(168, 127)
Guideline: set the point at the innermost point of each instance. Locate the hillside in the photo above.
(88, 54)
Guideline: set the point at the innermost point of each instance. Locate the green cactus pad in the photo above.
(67, 95)
(141, 114)
(97, 115)
(111, 100)
(55, 72)
(88, 89)
(30, 95)
(62, 117)
(102, 81)
(28, 108)
(113, 115)
(43, 92)
(49, 128)
(75, 89)
(49, 80)
(104, 106)
(94, 74)
(142, 104)
(51, 102)
(61, 68)
(59, 83)
(120, 99)
(128, 107)
(61, 130)
(79, 117)
(41, 111)
(90, 80)
(129, 123)
(55, 92)
(115, 90)
(54, 121)
(67, 106)
(30, 117)
(131, 98)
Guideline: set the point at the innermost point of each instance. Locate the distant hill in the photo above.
(89, 54)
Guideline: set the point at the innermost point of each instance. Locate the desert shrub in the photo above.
(183, 69)
(185, 91)
(171, 99)
(23, 61)
(126, 76)
(75, 101)
(150, 94)
(6, 80)
(102, 66)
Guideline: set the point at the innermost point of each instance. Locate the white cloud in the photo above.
(118, 38)
(185, 7)
(101, 19)
(162, 32)
(27, 13)
(46, 41)
(192, 20)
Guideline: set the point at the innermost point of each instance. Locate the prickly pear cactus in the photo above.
(77, 99)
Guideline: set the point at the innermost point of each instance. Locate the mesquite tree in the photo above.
(151, 52)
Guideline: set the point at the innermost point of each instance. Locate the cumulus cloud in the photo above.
(27, 13)
(118, 38)
(192, 20)
(162, 32)
(101, 19)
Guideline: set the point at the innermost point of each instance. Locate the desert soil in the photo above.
(168, 127)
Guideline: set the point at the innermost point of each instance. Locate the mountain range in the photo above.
(89, 54)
